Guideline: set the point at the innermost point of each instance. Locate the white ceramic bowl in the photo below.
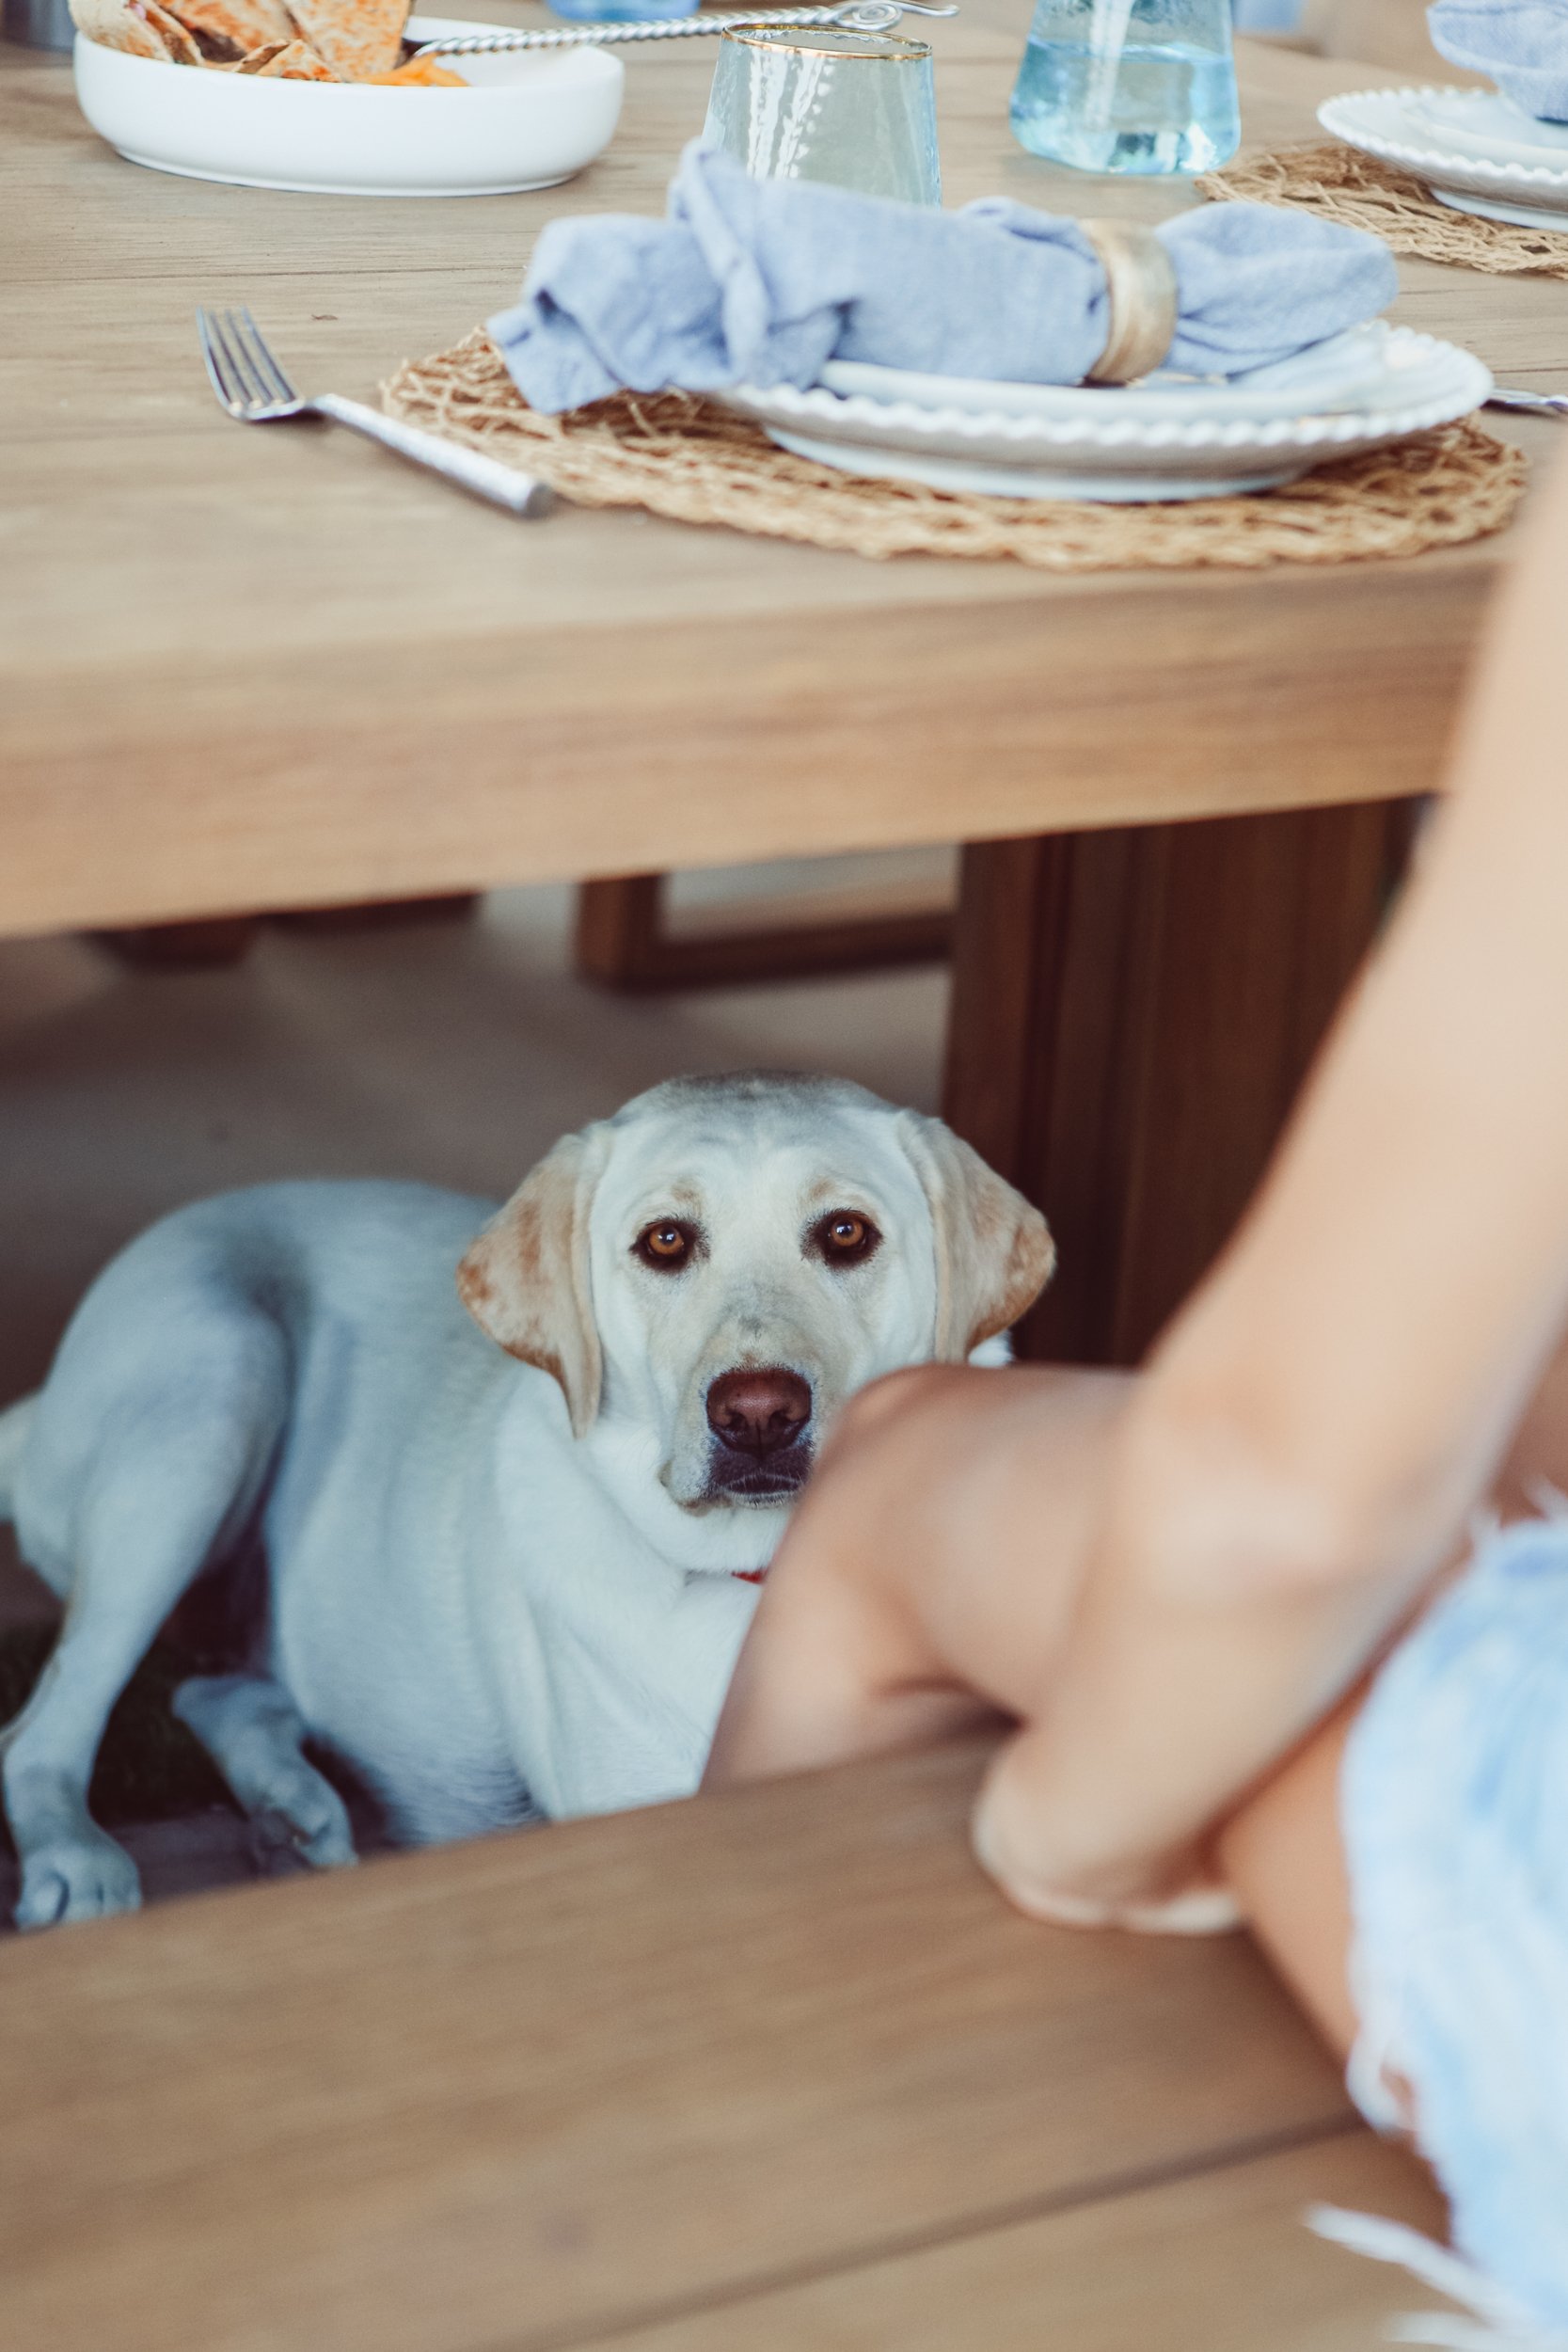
(532, 119)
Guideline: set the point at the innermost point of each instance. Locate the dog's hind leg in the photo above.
(250, 1729)
(146, 1487)
(15, 1423)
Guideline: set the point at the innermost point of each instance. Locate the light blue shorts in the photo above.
(1455, 1817)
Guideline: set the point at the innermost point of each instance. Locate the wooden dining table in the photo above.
(247, 669)
(776, 2070)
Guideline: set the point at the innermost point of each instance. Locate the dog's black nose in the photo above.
(758, 1412)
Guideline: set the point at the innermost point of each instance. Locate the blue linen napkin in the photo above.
(1522, 45)
(763, 281)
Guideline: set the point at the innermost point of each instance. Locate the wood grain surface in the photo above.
(1215, 2262)
(779, 2068)
(244, 668)
(1132, 1016)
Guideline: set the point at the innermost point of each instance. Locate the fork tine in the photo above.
(211, 361)
(239, 392)
(256, 390)
(263, 352)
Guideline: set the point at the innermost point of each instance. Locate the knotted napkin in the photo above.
(1522, 45)
(763, 281)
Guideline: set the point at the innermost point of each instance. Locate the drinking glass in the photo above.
(858, 109)
(40, 23)
(1137, 85)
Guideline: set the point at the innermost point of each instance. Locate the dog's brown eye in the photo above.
(846, 1238)
(665, 1246)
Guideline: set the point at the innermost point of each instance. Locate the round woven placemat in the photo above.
(1338, 182)
(688, 458)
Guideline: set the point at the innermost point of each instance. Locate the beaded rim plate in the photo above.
(1481, 122)
(1391, 125)
(1105, 449)
(1342, 374)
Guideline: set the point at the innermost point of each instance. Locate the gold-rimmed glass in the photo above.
(857, 109)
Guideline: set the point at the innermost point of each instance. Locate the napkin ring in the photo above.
(1140, 284)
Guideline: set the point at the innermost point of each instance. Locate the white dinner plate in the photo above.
(1398, 128)
(1039, 442)
(533, 118)
(1342, 372)
(1483, 122)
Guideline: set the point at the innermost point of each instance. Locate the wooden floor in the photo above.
(769, 2071)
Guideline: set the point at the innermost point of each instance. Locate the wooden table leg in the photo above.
(213, 943)
(1133, 1014)
(221, 940)
(377, 914)
(623, 942)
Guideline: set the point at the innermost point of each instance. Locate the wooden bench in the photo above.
(752, 2074)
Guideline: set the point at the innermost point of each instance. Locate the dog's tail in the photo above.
(14, 1424)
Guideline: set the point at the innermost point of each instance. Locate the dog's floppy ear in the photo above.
(994, 1251)
(525, 1279)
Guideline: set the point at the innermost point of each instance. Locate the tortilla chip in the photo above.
(180, 46)
(247, 23)
(288, 61)
(357, 38)
(141, 28)
(113, 25)
(420, 73)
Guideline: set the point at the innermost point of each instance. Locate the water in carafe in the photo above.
(1136, 86)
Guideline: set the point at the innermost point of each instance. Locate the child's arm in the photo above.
(1311, 1436)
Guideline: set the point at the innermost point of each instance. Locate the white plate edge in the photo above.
(817, 404)
(1430, 158)
(1155, 401)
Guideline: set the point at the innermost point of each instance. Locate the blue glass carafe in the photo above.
(1136, 86)
(619, 11)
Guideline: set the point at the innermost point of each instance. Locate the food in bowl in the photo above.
(530, 117)
(289, 41)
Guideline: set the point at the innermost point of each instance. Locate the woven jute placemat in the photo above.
(1338, 182)
(690, 460)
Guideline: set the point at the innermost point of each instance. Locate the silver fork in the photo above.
(251, 385)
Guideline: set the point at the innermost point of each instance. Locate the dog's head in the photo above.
(725, 1260)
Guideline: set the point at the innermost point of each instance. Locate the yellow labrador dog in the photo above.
(504, 1558)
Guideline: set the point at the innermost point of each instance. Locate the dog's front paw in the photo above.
(302, 1819)
(76, 1878)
